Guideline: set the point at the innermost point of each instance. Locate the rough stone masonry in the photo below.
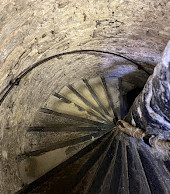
(32, 30)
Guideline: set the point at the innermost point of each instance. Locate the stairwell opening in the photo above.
(129, 98)
(36, 164)
(31, 169)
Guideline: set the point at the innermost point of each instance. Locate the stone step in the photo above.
(82, 92)
(95, 174)
(103, 169)
(135, 177)
(87, 103)
(58, 105)
(45, 119)
(97, 90)
(63, 177)
(111, 85)
(37, 162)
(124, 184)
(157, 175)
(71, 117)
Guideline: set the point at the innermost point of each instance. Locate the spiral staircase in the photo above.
(74, 146)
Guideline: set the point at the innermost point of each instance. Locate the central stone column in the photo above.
(151, 109)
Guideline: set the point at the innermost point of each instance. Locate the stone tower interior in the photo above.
(46, 45)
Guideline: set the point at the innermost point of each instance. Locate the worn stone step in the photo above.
(69, 128)
(80, 90)
(156, 173)
(103, 168)
(63, 177)
(124, 185)
(58, 105)
(82, 102)
(45, 119)
(111, 85)
(95, 174)
(59, 140)
(35, 163)
(106, 184)
(90, 112)
(97, 91)
(32, 168)
(70, 117)
(138, 181)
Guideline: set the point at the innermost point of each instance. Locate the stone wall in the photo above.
(32, 30)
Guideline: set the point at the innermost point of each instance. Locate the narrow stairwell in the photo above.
(74, 146)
